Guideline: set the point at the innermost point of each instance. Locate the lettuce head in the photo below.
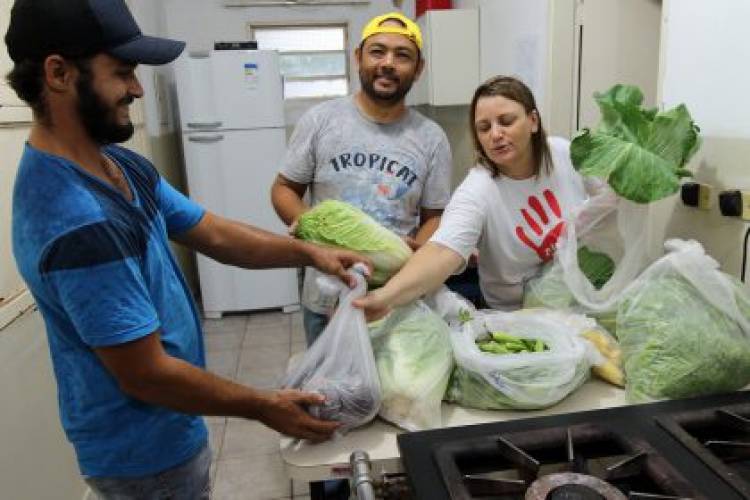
(336, 223)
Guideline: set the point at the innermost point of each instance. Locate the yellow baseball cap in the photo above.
(410, 29)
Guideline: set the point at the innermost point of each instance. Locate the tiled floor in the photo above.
(251, 349)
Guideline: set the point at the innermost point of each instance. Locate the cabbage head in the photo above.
(677, 345)
(336, 223)
(414, 357)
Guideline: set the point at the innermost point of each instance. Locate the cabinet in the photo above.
(451, 53)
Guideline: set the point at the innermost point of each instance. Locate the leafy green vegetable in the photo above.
(414, 357)
(641, 152)
(596, 266)
(505, 343)
(469, 388)
(549, 290)
(675, 344)
(339, 224)
(464, 316)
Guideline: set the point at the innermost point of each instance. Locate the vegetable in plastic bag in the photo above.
(598, 267)
(414, 358)
(340, 364)
(579, 278)
(525, 380)
(684, 328)
(610, 367)
(549, 290)
(641, 153)
(339, 224)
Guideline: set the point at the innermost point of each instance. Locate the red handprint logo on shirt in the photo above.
(547, 225)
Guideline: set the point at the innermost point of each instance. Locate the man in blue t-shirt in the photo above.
(91, 223)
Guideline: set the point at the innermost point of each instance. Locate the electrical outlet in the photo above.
(735, 203)
(745, 205)
(695, 194)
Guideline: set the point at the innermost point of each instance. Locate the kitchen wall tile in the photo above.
(263, 366)
(232, 323)
(246, 438)
(216, 431)
(223, 363)
(273, 318)
(267, 335)
(257, 477)
(223, 340)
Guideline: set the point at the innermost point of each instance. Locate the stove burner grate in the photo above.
(580, 462)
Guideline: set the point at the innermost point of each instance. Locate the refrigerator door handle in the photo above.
(206, 138)
(204, 125)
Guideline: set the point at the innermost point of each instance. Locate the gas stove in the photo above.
(695, 449)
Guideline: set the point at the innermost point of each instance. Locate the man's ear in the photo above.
(358, 56)
(59, 74)
(420, 68)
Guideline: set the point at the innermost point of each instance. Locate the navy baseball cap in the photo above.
(82, 28)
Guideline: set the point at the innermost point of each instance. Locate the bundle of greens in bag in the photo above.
(523, 360)
(414, 358)
(641, 154)
(684, 328)
(339, 224)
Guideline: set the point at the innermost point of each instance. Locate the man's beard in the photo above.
(98, 118)
(392, 97)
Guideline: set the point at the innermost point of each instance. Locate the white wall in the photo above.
(178, 19)
(514, 39)
(620, 45)
(36, 461)
(704, 65)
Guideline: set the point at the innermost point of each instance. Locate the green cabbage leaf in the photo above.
(640, 152)
(414, 357)
(336, 223)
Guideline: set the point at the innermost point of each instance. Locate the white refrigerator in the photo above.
(233, 136)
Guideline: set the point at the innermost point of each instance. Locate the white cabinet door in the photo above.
(617, 42)
(230, 173)
(451, 51)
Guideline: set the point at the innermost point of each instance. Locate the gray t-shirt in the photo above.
(389, 171)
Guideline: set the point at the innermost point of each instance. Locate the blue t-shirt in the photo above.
(102, 273)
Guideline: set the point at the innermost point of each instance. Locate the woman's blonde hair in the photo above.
(515, 90)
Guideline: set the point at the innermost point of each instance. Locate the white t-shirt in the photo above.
(514, 224)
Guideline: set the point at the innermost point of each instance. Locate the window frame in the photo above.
(344, 25)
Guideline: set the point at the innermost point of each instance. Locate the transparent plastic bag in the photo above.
(684, 328)
(414, 358)
(606, 225)
(450, 306)
(609, 366)
(340, 364)
(526, 380)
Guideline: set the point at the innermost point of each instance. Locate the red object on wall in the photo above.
(423, 5)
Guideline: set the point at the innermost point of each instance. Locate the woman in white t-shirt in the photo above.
(510, 207)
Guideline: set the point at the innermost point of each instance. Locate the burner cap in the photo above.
(574, 492)
(572, 486)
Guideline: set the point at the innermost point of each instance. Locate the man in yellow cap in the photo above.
(369, 150)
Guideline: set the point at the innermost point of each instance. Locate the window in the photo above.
(313, 58)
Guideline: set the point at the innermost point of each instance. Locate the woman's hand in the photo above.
(375, 305)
